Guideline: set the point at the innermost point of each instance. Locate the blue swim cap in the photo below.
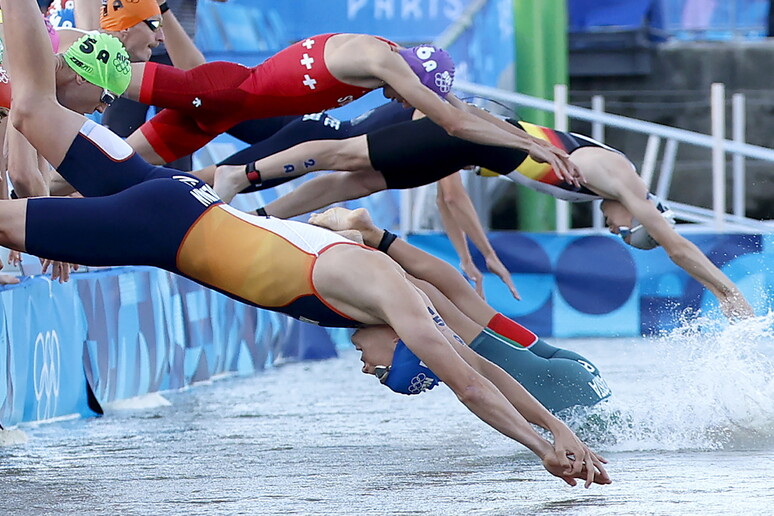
(407, 374)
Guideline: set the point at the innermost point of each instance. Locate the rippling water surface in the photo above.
(689, 430)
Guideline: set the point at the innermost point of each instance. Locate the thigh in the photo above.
(142, 225)
(415, 153)
(170, 135)
(13, 221)
(211, 88)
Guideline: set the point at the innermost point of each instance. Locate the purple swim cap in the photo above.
(434, 67)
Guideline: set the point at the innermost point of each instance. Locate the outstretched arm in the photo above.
(86, 13)
(181, 49)
(47, 125)
(586, 463)
(613, 177)
(571, 175)
(460, 219)
(458, 238)
(392, 300)
(29, 179)
(690, 258)
(453, 116)
(30, 176)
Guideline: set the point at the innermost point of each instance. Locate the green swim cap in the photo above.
(102, 60)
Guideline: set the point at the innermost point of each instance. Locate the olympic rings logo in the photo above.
(419, 383)
(46, 363)
(444, 81)
(122, 64)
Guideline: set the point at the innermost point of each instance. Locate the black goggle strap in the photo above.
(382, 372)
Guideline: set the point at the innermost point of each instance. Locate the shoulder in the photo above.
(351, 56)
(363, 45)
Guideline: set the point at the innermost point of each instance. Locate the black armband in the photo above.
(163, 8)
(387, 240)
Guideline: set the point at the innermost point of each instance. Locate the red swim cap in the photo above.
(5, 89)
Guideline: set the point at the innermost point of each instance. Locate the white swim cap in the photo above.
(637, 236)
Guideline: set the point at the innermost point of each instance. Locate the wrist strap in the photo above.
(253, 174)
(387, 240)
(163, 8)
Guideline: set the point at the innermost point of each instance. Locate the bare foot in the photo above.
(206, 174)
(229, 181)
(340, 219)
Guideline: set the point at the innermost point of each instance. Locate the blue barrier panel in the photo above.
(594, 285)
(42, 355)
(126, 332)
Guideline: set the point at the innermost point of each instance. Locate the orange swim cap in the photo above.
(122, 14)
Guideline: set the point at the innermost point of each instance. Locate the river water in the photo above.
(689, 430)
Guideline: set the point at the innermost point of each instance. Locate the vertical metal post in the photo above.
(718, 103)
(739, 120)
(598, 133)
(667, 169)
(561, 124)
(649, 161)
(598, 128)
(406, 211)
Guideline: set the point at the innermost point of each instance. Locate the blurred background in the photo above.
(652, 60)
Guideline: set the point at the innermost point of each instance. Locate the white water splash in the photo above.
(706, 385)
(12, 437)
(146, 401)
